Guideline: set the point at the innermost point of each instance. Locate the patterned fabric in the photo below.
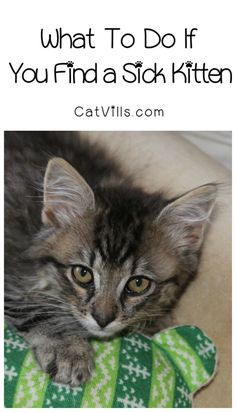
(131, 372)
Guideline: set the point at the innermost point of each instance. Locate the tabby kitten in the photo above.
(87, 253)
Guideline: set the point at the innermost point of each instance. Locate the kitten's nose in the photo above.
(103, 319)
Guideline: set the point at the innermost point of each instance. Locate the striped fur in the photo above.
(81, 209)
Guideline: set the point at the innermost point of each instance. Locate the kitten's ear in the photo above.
(182, 223)
(66, 194)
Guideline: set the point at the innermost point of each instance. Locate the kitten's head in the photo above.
(117, 257)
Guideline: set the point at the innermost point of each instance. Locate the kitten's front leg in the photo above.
(67, 359)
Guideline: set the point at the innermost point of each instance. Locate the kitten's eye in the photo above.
(138, 285)
(82, 275)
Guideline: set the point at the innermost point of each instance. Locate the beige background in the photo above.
(166, 160)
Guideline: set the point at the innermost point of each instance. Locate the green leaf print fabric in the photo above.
(130, 372)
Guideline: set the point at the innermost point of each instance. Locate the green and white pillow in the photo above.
(131, 372)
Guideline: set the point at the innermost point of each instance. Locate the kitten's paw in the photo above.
(69, 361)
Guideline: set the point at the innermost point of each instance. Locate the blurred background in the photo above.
(216, 144)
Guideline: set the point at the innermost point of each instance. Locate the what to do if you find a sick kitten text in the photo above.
(114, 38)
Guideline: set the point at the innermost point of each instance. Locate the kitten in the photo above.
(91, 255)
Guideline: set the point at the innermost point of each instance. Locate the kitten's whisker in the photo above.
(39, 306)
(59, 327)
(52, 299)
